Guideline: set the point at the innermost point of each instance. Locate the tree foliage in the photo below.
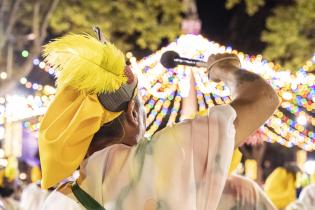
(252, 6)
(128, 23)
(289, 32)
(147, 21)
(23, 25)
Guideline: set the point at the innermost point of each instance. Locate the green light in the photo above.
(25, 53)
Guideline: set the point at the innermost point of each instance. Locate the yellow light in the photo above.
(23, 176)
(287, 96)
(23, 80)
(129, 55)
(3, 75)
(42, 65)
(302, 120)
(305, 67)
(133, 60)
(309, 63)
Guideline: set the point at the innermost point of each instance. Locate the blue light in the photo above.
(36, 61)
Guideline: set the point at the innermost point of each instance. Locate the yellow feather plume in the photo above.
(86, 64)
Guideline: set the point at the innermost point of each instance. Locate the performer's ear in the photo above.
(132, 113)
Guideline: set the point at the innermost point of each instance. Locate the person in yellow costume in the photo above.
(280, 185)
(97, 122)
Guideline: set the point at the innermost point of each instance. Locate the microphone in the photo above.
(170, 59)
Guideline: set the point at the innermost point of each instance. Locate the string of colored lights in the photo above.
(17, 108)
(296, 91)
(162, 90)
(174, 110)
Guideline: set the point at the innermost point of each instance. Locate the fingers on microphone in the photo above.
(212, 58)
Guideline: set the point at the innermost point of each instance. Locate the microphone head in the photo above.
(167, 59)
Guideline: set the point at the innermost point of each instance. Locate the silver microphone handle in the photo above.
(202, 64)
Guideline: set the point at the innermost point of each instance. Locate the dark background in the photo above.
(234, 27)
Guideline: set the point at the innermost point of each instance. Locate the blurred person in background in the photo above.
(280, 185)
(306, 199)
(7, 188)
(242, 193)
(33, 197)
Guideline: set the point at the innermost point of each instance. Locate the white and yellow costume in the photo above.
(182, 167)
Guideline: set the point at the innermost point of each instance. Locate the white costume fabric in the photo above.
(306, 199)
(9, 204)
(184, 166)
(241, 193)
(33, 197)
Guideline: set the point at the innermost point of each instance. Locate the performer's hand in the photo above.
(222, 63)
(253, 98)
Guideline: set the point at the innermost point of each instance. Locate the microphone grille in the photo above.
(167, 59)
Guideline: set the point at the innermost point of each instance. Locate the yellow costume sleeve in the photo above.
(236, 159)
(280, 187)
(36, 174)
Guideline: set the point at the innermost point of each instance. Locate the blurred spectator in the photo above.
(280, 185)
(306, 199)
(33, 197)
(241, 193)
(7, 202)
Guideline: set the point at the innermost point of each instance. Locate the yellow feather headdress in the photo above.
(85, 63)
(91, 74)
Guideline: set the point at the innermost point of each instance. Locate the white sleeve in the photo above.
(204, 145)
(57, 200)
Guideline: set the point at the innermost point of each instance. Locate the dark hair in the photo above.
(114, 128)
(291, 167)
(7, 188)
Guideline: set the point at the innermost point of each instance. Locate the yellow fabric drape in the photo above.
(66, 132)
(280, 187)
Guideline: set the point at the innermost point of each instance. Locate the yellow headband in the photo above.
(87, 68)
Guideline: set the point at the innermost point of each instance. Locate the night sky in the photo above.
(233, 27)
